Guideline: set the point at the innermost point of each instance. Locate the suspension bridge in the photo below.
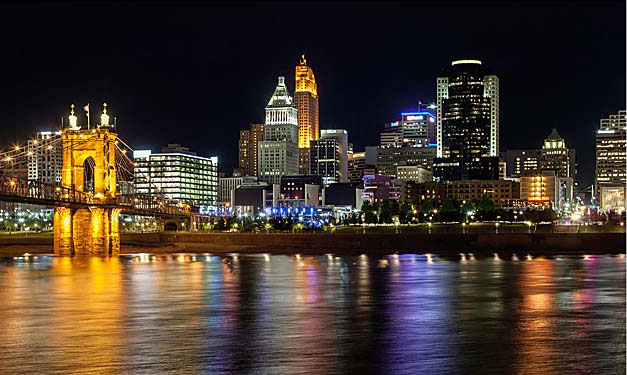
(87, 201)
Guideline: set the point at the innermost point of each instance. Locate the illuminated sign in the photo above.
(141, 154)
(414, 118)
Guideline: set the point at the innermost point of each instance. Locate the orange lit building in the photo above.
(306, 98)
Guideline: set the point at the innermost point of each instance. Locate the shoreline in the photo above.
(449, 244)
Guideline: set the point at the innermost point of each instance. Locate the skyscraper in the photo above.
(248, 148)
(610, 162)
(329, 156)
(278, 152)
(554, 155)
(468, 123)
(45, 157)
(306, 97)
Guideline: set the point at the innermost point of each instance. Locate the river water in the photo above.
(261, 314)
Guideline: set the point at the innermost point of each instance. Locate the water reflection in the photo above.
(246, 314)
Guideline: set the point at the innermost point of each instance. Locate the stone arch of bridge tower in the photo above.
(79, 147)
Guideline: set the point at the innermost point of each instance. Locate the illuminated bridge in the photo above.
(86, 203)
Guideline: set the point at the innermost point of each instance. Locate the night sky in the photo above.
(198, 73)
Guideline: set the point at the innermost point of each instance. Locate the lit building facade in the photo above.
(392, 135)
(467, 123)
(357, 167)
(419, 128)
(278, 152)
(554, 155)
(547, 189)
(45, 157)
(306, 98)
(227, 186)
(178, 174)
(249, 148)
(611, 160)
(329, 156)
(415, 173)
(499, 191)
(389, 158)
(379, 188)
(295, 187)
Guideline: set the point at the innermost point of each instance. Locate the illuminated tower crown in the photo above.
(306, 97)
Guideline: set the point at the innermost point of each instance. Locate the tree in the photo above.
(368, 210)
(426, 206)
(449, 211)
(485, 208)
(385, 214)
(395, 208)
(405, 213)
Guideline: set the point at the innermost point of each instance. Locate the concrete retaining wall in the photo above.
(441, 243)
(589, 243)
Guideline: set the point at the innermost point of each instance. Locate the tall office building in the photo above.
(557, 157)
(329, 156)
(248, 149)
(389, 158)
(278, 152)
(45, 157)
(554, 155)
(419, 128)
(610, 162)
(306, 98)
(392, 135)
(177, 173)
(467, 123)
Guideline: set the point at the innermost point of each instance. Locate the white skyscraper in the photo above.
(45, 157)
(278, 152)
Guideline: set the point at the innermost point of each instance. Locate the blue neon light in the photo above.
(433, 145)
(417, 113)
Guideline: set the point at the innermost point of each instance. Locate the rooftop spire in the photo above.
(72, 119)
(281, 96)
(104, 117)
(303, 61)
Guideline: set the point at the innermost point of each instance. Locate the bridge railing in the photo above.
(38, 192)
(35, 190)
(152, 203)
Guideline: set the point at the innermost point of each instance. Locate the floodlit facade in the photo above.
(178, 174)
(547, 189)
(611, 160)
(467, 122)
(278, 152)
(45, 157)
(307, 103)
(415, 173)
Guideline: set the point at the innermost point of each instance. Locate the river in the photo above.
(276, 314)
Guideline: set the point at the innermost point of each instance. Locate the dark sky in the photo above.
(198, 73)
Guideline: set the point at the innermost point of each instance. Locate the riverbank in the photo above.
(348, 243)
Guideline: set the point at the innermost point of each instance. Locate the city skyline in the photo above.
(165, 104)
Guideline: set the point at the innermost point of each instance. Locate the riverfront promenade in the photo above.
(445, 244)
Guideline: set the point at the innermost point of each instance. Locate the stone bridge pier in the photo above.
(86, 231)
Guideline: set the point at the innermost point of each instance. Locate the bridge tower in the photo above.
(88, 166)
